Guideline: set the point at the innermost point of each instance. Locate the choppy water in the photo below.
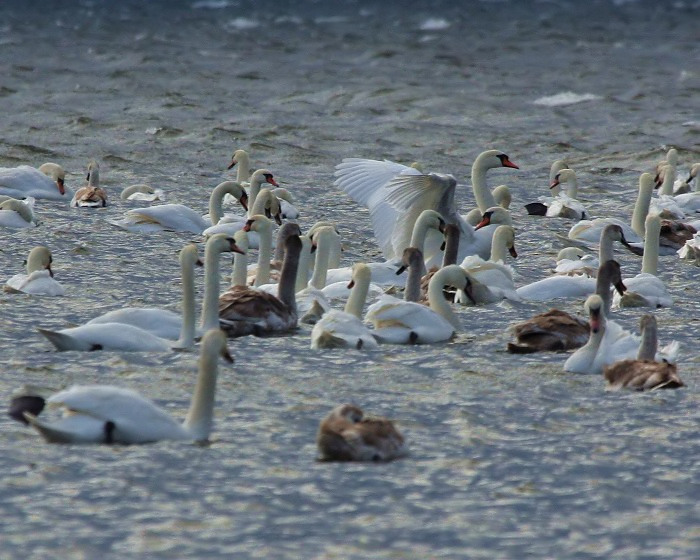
(510, 457)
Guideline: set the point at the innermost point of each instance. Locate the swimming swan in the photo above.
(91, 195)
(39, 279)
(109, 414)
(17, 214)
(47, 182)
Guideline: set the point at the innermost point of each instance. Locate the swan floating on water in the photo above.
(47, 182)
(39, 279)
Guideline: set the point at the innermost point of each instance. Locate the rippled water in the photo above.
(510, 457)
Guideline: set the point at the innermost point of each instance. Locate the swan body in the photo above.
(346, 435)
(106, 336)
(24, 181)
(344, 329)
(39, 278)
(244, 311)
(108, 414)
(405, 322)
(91, 195)
(17, 214)
(142, 193)
(162, 322)
(562, 205)
(572, 261)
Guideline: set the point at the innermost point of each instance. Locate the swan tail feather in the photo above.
(63, 342)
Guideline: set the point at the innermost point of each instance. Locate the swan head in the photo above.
(594, 310)
(556, 167)
(57, 173)
(273, 209)
(39, 259)
(20, 207)
(412, 257)
(507, 236)
(241, 240)
(283, 194)
(263, 176)
(258, 223)
(214, 344)
(189, 258)
(133, 189)
(614, 233)
(321, 224)
(222, 243)
(93, 173)
(672, 156)
(495, 215)
(564, 176)
(361, 273)
(693, 172)
(432, 219)
(491, 159)
(238, 156)
(502, 196)
(235, 190)
(323, 236)
(346, 412)
(287, 229)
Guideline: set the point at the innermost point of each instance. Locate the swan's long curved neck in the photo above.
(210, 305)
(262, 200)
(253, 191)
(323, 251)
(483, 196)
(438, 303)
(243, 169)
(262, 272)
(641, 206)
(285, 288)
(603, 287)
(669, 178)
(358, 295)
(499, 244)
(572, 186)
(451, 245)
(216, 200)
(304, 260)
(413, 276)
(649, 343)
(239, 276)
(605, 249)
(187, 330)
(200, 416)
(650, 259)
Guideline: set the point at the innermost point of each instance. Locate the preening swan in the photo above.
(557, 330)
(244, 311)
(561, 205)
(643, 373)
(572, 261)
(646, 289)
(176, 217)
(109, 414)
(47, 182)
(142, 193)
(162, 322)
(396, 195)
(39, 279)
(347, 435)
(17, 214)
(405, 322)
(344, 329)
(91, 195)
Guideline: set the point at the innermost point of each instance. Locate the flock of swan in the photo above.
(436, 256)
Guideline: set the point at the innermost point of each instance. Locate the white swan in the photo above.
(676, 206)
(608, 343)
(142, 193)
(659, 171)
(346, 435)
(405, 322)
(557, 330)
(344, 329)
(17, 214)
(396, 195)
(245, 311)
(162, 322)
(560, 205)
(573, 286)
(129, 338)
(572, 261)
(39, 279)
(287, 209)
(643, 373)
(491, 280)
(176, 217)
(91, 195)
(109, 414)
(501, 195)
(47, 182)
(646, 289)
(241, 159)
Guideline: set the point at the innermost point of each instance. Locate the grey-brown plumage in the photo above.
(346, 435)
